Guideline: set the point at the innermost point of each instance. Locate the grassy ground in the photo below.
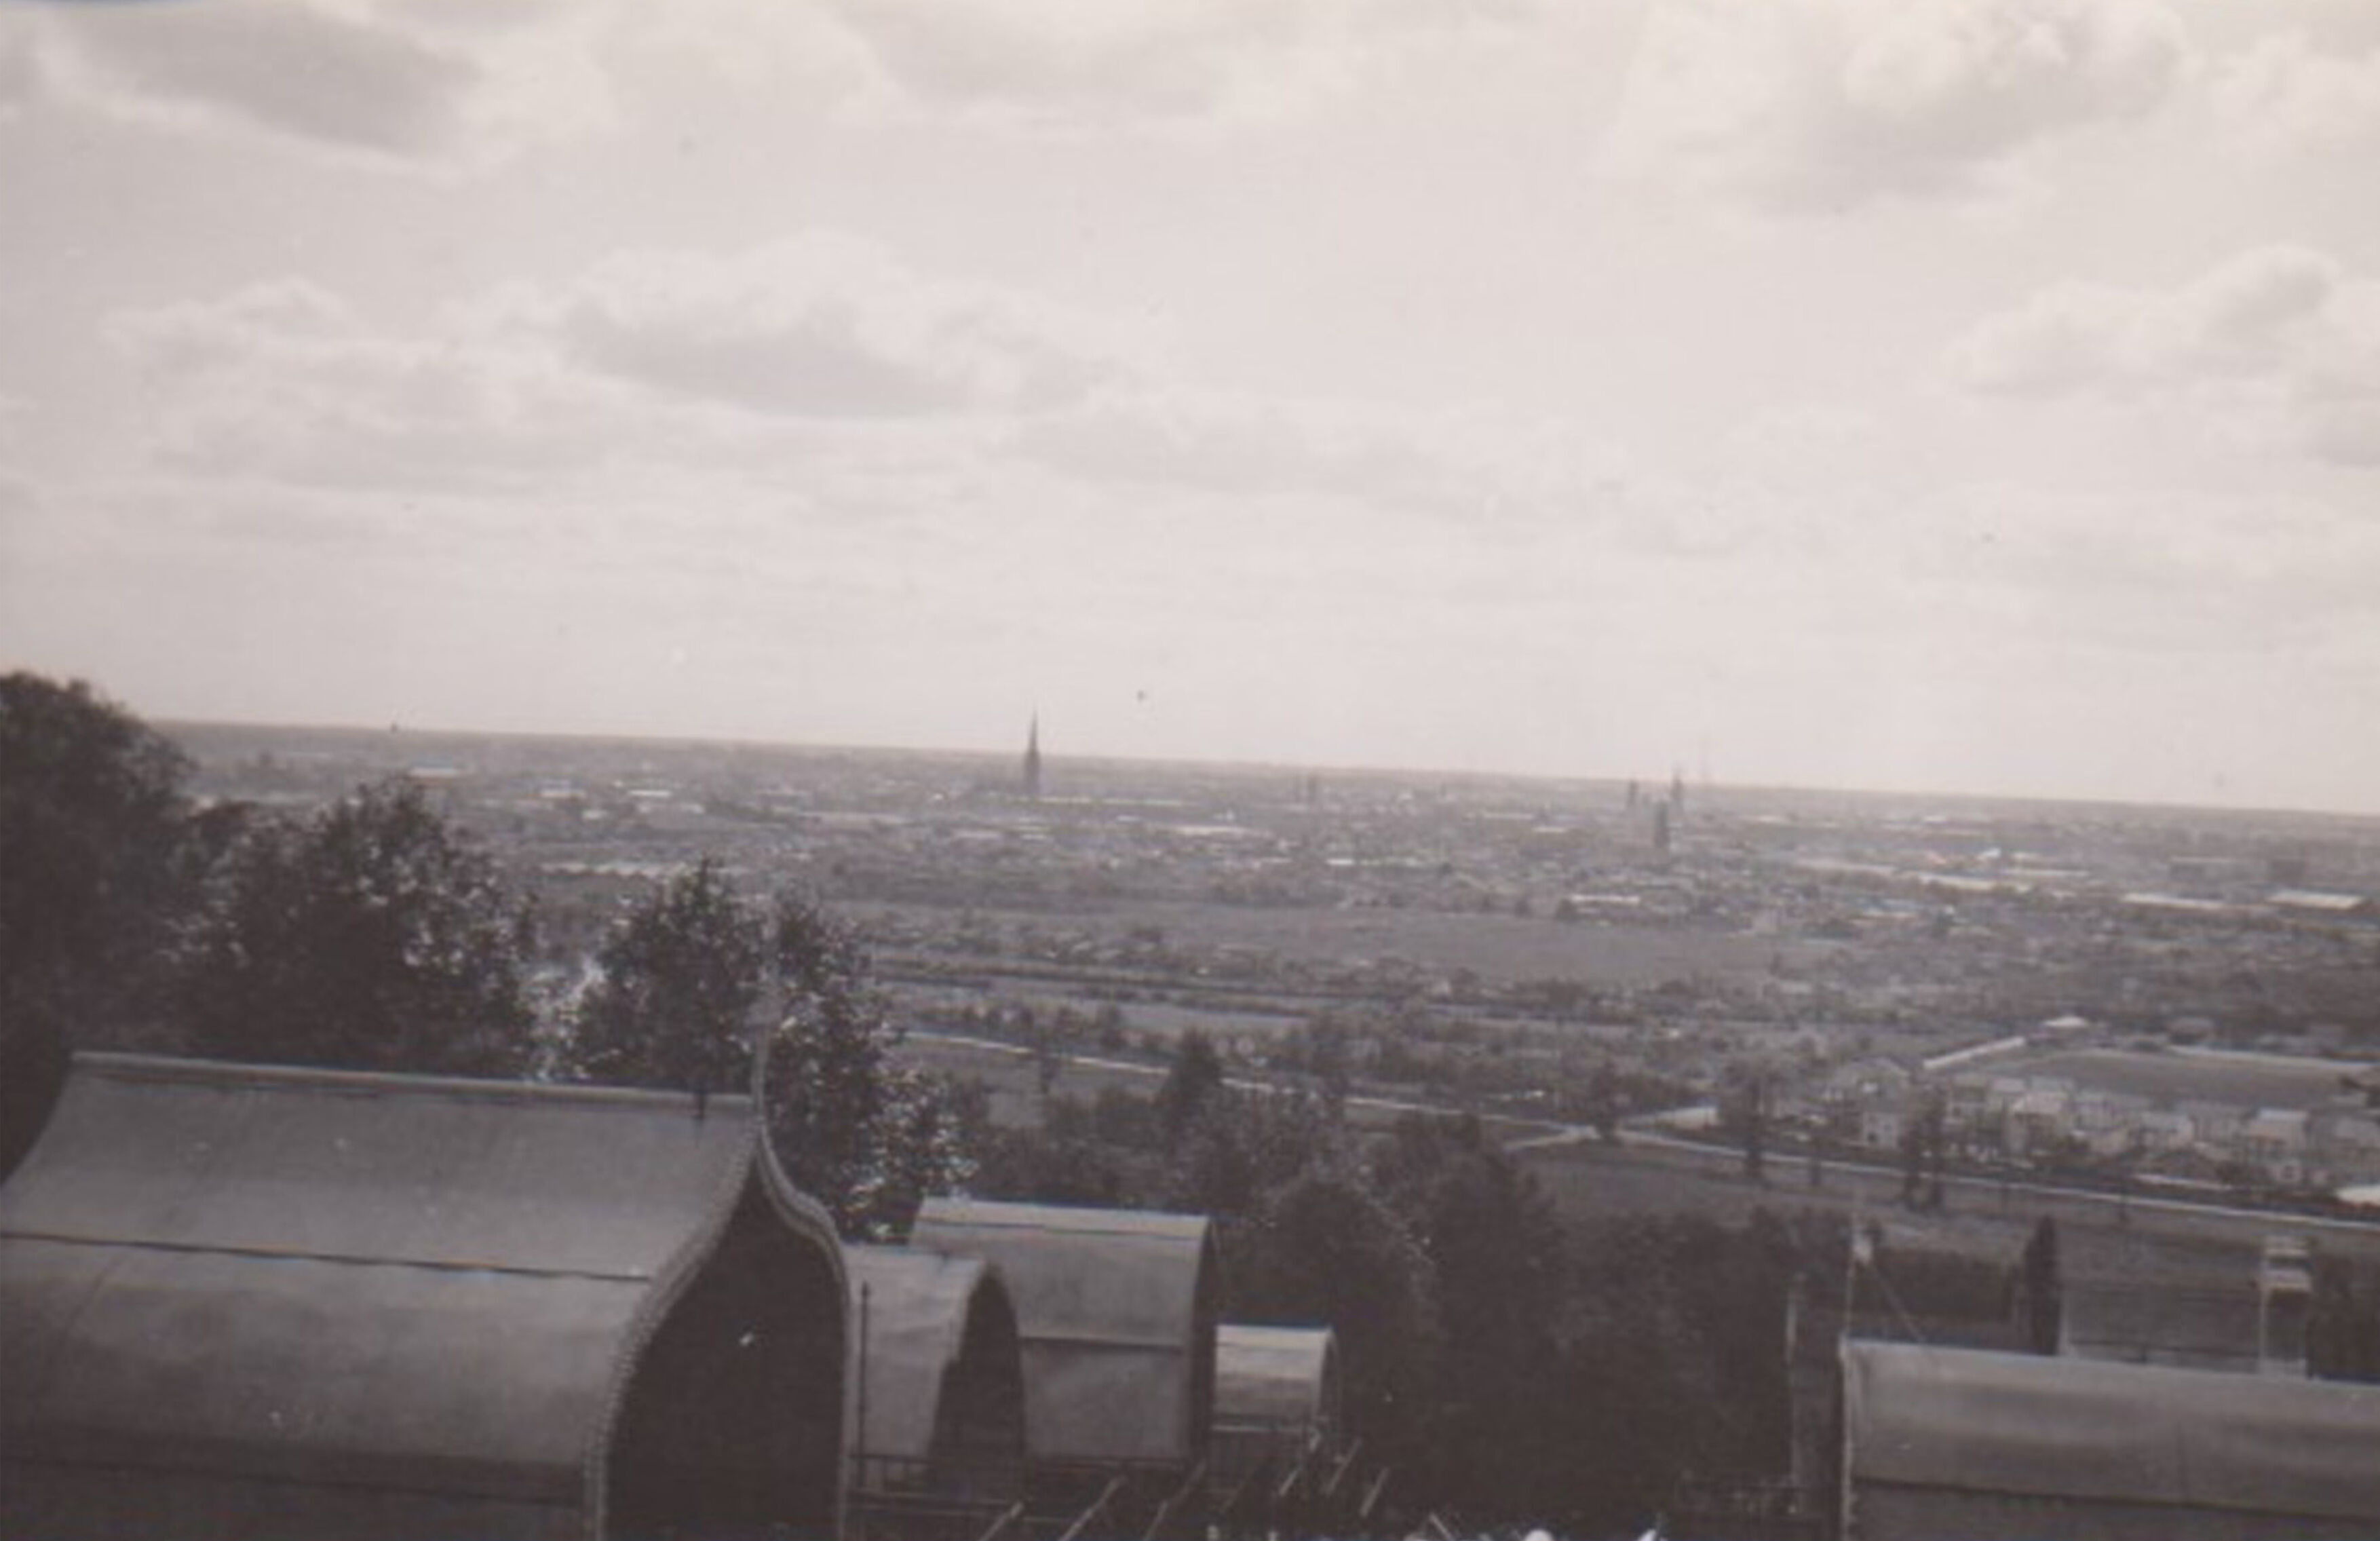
(1982, 1220)
(1503, 948)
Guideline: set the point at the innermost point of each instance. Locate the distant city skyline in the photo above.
(1970, 396)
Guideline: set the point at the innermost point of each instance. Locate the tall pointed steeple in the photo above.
(1032, 758)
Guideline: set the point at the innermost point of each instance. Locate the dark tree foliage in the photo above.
(2039, 1302)
(1672, 1362)
(1325, 1246)
(1192, 1086)
(866, 1135)
(2343, 1328)
(1755, 1131)
(1923, 1145)
(697, 976)
(373, 936)
(1508, 1365)
(93, 825)
(683, 977)
(1496, 1255)
(1069, 1159)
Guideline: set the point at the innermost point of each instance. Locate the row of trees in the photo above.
(1506, 1363)
(374, 935)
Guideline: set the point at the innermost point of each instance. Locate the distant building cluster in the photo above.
(2036, 1119)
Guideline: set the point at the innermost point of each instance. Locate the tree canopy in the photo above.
(93, 823)
(371, 936)
(869, 1136)
(682, 977)
(696, 976)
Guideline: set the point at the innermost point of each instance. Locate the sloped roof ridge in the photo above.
(563, 1362)
(1077, 1219)
(168, 1069)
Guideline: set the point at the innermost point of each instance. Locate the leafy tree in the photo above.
(93, 825)
(865, 1135)
(2040, 1301)
(1671, 1364)
(1193, 1083)
(1071, 1159)
(684, 976)
(1755, 1129)
(372, 936)
(1922, 1145)
(1500, 1271)
(2343, 1327)
(1325, 1246)
(1242, 1146)
(697, 976)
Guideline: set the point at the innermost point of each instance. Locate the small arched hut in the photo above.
(1116, 1311)
(940, 1435)
(255, 1303)
(1982, 1445)
(1276, 1395)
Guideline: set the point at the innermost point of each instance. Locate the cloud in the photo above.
(284, 381)
(18, 500)
(1455, 469)
(450, 85)
(20, 71)
(2237, 319)
(823, 326)
(2281, 339)
(1803, 107)
(821, 352)
(395, 83)
(1085, 63)
(822, 380)
(2288, 96)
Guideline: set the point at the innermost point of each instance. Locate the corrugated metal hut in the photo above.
(1953, 1443)
(1116, 1310)
(1276, 1394)
(940, 1419)
(251, 1302)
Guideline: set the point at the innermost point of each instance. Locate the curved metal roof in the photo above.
(353, 1284)
(1116, 1309)
(2100, 1439)
(1275, 1375)
(918, 1306)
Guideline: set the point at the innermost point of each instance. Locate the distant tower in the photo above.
(1033, 759)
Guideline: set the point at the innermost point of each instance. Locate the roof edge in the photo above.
(234, 1072)
(802, 1214)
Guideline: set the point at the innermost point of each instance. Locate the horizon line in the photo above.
(1329, 768)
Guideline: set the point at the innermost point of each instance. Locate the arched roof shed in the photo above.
(1276, 1388)
(940, 1406)
(247, 1302)
(1980, 1445)
(1276, 1376)
(1116, 1310)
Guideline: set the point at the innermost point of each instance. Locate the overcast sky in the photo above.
(1974, 394)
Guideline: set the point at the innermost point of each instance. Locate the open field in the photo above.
(1502, 948)
(2163, 1244)
(1014, 1080)
(2244, 1080)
